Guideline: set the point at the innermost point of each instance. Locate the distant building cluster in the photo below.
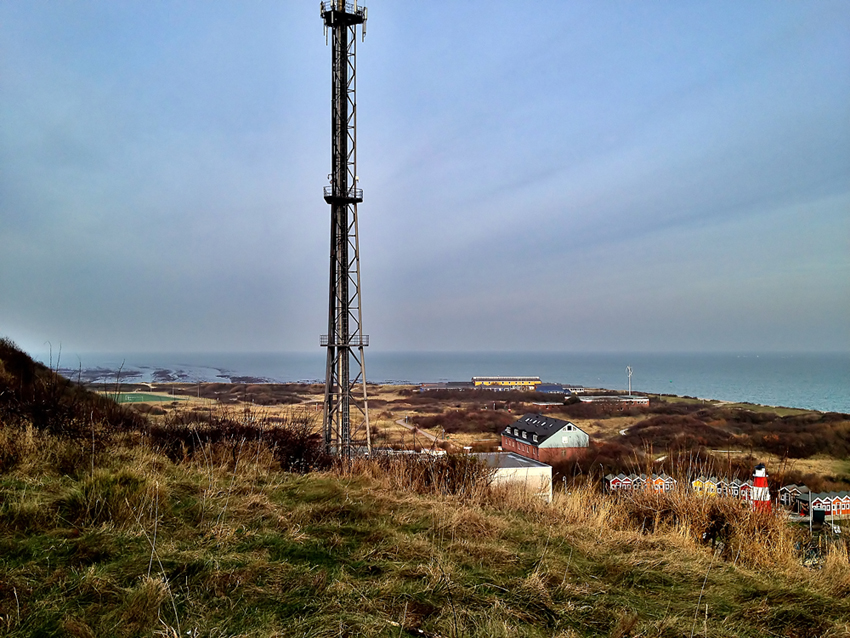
(506, 383)
(447, 385)
(528, 384)
(705, 485)
(534, 384)
(797, 498)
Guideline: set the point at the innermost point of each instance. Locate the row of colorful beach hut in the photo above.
(796, 497)
(749, 490)
(802, 500)
(713, 486)
(656, 482)
(709, 486)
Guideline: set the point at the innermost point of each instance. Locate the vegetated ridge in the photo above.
(211, 532)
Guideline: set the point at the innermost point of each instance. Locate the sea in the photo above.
(811, 381)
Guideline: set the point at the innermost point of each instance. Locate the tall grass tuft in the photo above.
(293, 441)
(740, 534)
(143, 603)
(123, 499)
(450, 474)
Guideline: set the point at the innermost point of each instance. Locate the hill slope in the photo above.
(133, 544)
(31, 393)
(193, 529)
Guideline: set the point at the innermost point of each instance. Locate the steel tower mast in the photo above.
(346, 415)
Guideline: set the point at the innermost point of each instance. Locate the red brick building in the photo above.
(544, 438)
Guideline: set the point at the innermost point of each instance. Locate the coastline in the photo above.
(803, 381)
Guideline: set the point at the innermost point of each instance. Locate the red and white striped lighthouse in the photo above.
(761, 494)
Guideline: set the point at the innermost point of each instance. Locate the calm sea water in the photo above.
(813, 381)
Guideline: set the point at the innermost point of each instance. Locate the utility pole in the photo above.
(345, 422)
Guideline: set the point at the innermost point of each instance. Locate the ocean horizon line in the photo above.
(739, 353)
(808, 380)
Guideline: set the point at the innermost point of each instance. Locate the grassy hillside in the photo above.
(33, 394)
(130, 543)
(191, 526)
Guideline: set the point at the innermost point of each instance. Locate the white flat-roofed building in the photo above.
(617, 399)
(513, 468)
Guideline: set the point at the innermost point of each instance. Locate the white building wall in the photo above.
(537, 480)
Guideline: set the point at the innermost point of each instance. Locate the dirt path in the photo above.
(430, 437)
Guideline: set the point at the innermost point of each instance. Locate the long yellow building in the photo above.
(506, 383)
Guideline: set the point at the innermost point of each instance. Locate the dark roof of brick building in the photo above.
(542, 426)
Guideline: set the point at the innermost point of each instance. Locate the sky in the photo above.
(563, 176)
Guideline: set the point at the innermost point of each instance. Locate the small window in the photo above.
(535, 438)
(525, 435)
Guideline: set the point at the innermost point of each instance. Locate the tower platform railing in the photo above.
(355, 341)
(352, 195)
(347, 7)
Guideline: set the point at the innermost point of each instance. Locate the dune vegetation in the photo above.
(232, 525)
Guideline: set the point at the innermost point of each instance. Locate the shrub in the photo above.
(32, 393)
(293, 440)
(448, 474)
(474, 420)
(675, 431)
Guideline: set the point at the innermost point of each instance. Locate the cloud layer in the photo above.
(546, 177)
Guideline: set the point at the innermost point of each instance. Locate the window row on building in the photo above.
(617, 399)
(506, 383)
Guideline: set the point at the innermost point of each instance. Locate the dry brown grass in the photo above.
(742, 535)
(392, 546)
(778, 466)
(456, 475)
(679, 518)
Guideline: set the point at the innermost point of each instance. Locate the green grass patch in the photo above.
(143, 397)
(767, 409)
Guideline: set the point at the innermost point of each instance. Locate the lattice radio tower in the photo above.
(346, 414)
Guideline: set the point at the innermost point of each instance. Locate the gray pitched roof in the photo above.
(813, 496)
(542, 426)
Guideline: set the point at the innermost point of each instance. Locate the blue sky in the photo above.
(572, 176)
